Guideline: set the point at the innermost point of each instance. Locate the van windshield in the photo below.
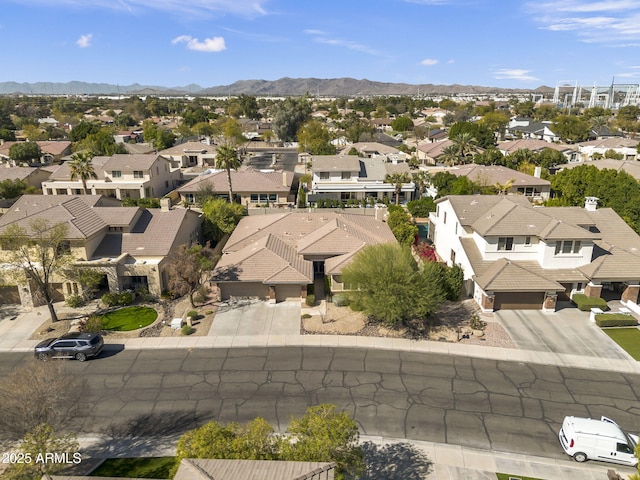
(630, 441)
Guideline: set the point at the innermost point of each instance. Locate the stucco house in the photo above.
(376, 149)
(250, 187)
(52, 151)
(533, 187)
(627, 147)
(130, 245)
(345, 177)
(120, 176)
(190, 154)
(277, 256)
(509, 147)
(30, 176)
(517, 256)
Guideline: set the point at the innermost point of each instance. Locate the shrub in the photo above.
(192, 314)
(585, 303)
(340, 301)
(125, 298)
(187, 330)
(476, 323)
(305, 315)
(74, 301)
(92, 324)
(426, 252)
(144, 294)
(167, 295)
(615, 320)
(310, 300)
(201, 295)
(109, 299)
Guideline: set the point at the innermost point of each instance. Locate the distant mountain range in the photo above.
(281, 87)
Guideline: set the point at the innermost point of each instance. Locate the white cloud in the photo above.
(84, 41)
(614, 22)
(199, 7)
(513, 74)
(429, 61)
(311, 31)
(213, 44)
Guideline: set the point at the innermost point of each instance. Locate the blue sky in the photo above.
(503, 43)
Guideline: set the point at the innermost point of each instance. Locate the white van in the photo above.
(589, 439)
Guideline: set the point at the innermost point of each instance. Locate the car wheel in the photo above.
(43, 356)
(580, 457)
(81, 357)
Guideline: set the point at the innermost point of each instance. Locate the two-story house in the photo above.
(515, 255)
(191, 154)
(120, 176)
(345, 177)
(129, 245)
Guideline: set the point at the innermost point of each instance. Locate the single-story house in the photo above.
(277, 256)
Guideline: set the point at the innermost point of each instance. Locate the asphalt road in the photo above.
(511, 407)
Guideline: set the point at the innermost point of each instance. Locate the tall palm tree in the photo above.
(82, 168)
(450, 155)
(227, 158)
(466, 144)
(398, 179)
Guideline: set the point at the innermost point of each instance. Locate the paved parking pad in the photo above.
(256, 317)
(564, 331)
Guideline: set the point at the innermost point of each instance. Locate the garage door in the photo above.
(287, 291)
(518, 300)
(243, 290)
(9, 295)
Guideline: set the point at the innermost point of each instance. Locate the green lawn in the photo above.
(153, 467)
(627, 338)
(129, 318)
(507, 476)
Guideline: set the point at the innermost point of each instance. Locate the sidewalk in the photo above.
(449, 462)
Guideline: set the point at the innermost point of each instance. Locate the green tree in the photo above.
(38, 252)
(25, 152)
(35, 445)
(221, 217)
(545, 112)
(484, 137)
(82, 130)
(81, 167)
(324, 434)
(627, 118)
(388, 285)
(402, 124)
(524, 109)
(405, 233)
(421, 207)
(101, 143)
(288, 117)
(398, 180)
(496, 121)
(12, 188)
(227, 158)
(466, 145)
(188, 267)
(453, 277)
(89, 279)
(450, 155)
(571, 129)
(314, 138)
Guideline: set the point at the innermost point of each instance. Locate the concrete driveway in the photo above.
(565, 331)
(257, 317)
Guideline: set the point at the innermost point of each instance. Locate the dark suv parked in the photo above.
(72, 345)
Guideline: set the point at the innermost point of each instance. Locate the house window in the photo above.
(456, 230)
(527, 241)
(324, 175)
(254, 198)
(346, 175)
(138, 174)
(505, 243)
(115, 229)
(148, 192)
(116, 174)
(567, 247)
(273, 197)
(453, 256)
(190, 197)
(445, 218)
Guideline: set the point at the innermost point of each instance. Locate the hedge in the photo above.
(615, 320)
(585, 304)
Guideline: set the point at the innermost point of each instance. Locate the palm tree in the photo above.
(227, 158)
(450, 155)
(398, 179)
(503, 188)
(422, 180)
(82, 168)
(466, 144)
(598, 122)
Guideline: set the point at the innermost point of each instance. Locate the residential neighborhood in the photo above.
(425, 272)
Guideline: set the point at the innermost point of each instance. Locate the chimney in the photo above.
(165, 204)
(591, 203)
(537, 172)
(284, 179)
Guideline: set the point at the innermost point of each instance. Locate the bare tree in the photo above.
(40, 393)
(188, 268)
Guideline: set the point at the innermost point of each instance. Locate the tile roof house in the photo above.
(515, 255)
(347, 177)
(532, 187)
(120, 176)
(375, 149)
(540, 130)
(509, 147)
(191, 154)
(251, 188)
(627, 147)
(31, 176)
(52, 151)
(130, 245)
(632, 167)
(428, 152)
(275, 256)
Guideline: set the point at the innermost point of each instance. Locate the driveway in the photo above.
(257, 317)
(565, 331)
